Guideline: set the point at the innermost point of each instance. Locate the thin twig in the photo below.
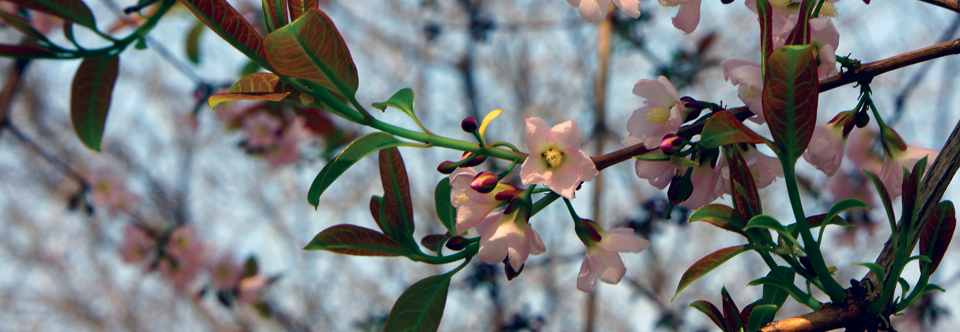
(953, 5)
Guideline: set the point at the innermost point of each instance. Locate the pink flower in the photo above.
(851, 185)
(137, 244)
(748, 78)
(706, 187)
(825, 150)
(508, 235)
(823, 36)
(860, 150)
(287, 149)
(110, 191)
(471, 205)
(225, 272)
(688, 17)
(603, 258)
(555, 158)
(261, 129)
(658, 173)
(180, 271)
(892, 171)
(661, 115)
(765, 169)
(595, 11)
(186, 256)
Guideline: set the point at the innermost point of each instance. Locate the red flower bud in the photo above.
(447, 167)
(671, 144)
(475, 161)
(457, 243)
(680, 189)
(508, 270)
(432, 241)
(484, 182)
(469, 125)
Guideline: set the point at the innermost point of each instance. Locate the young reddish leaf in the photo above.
(815, 221)
(765, 11)
(790, 95)
(745, 313)
(356, 241)
(256, 86)
(936, 235)
(25, 51)
(707, 264)
(420, 307)
(801, 32)
(312, 48)
(910, 192)
(229, 25)
(719, 215)
(397, 206)
(360, 148)
(70, 10)
(731, 314)
(375, 203)
(274, 14)
(711, 311)
(298, 7)
(723, 128)
(90, 97)
(18, 23)
(746, 200)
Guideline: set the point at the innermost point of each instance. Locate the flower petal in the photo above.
(658, 173)
(688, 18)
(588, 170)
(534, 170)
(537, 131)
(594, 11)
(609, 266)
(565, 134)
(587, 276)
(629, 7)
(564, 180)
(623, 240)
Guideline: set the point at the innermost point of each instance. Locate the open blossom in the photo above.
(824, 38)
(661, 115)
(555, 158)
(891, 173)
(110, 191)
(765, 169)
(472, 206)
(137, 244)
(688, 18)
(825, 151)
(603, 253)
(186, 256)
(704, 178)
(286, 150)
(261, 129)
(748, 78)
(596, 10)
(225, 272)
(508, 235)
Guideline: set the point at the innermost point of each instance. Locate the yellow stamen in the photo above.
(460, 198)
(756, 175)
(670, 4)
(658, 116)
(103, 187)
(781, 4)
(829, 10)
(749, 93)
(553, 157)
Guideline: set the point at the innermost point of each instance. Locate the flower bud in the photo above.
(508, 270)
(893, 144)
(469, 125)
(727, 2)
(680, 189)
(586, 230)
(507, 193)
(457, 243)
(805, 262)
(692, 108)
(484, 182)
(475, 161)
(447, 167)
(432, 241)
(862, 119)
(671, 144)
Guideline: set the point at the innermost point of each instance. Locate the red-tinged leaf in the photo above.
(420, 307)
(25, 51)
(298, 7)
(70, 10)
(723, 128)
(801, 32)
(910, 192)
(711, 311)
(274, 14)
(317, 121)
(936, 235)
(765, 11)
(231, 26)
(397, 206)
(707, 264)
(376, 204)
(731, 314)
(311, 48)
(356, 241)
(790, 95)
(90, 97)
(745, 313)
(746, 198)
(260, 86)
(817, 221)
(719, 215)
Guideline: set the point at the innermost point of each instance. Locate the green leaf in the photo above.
(274, 14)
(70, 10)
(790, 95)
(719, 215)
(403, 101)
(936, 235)
(420, 307)
(761, 316)
(840, 207)
(311, 48)
(711, 311)
(360, 148)
(877, 271)
(445, 211)
(774, 295)
(723, 128)
(224, 20)
(746, 197)
(768, 222)
(250, 268)
(707, 264)
(818, 220)
(904, 287)
(26, 51)
(192, 44)
(90, 96)
(884, 197)
(357, 241)
(803, 298)
(653, 157)
(397, 204)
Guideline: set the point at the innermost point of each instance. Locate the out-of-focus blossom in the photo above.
(186, 256)
(860, 150)
(823, 36)
(892, 171)
(471, 205)
(225, 272)
(603, 253)
(825, 151)
(261, 129)
(508, 235)
(748, 78)
(661, 115)
(595, 11)
(110, 191)
(555, 158)
(287, 149)
(137, 244)
(688, 18)
(249, 289)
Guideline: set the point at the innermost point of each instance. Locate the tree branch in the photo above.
(953, 5)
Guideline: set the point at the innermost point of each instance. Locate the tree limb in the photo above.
(953, 5)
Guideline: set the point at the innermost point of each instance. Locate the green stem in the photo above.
(466, 253)
(804, 298)
(544, 202)
(121, 44)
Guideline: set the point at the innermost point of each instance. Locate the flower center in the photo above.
(750, 93)
(553, 157)
(460, 198)
(103, 187)
(658, 116)
(829, 10)
(669, 4)
(756, 175)
(783, 4)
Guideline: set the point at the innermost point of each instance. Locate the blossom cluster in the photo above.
(276, 138)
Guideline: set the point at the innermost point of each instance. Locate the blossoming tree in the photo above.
(698, 151)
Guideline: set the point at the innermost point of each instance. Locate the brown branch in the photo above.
(863, 73)
(953, 5)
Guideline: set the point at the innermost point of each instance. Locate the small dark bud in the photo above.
(469, 125)
(484, 182)
(671, 144)
(457, 243)
(447, 167)
(805, 262)
(863, 119)
(693, 108)
(477, 160)
(508, 269)
(680, 189)
(432, 241)
(727, 2)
